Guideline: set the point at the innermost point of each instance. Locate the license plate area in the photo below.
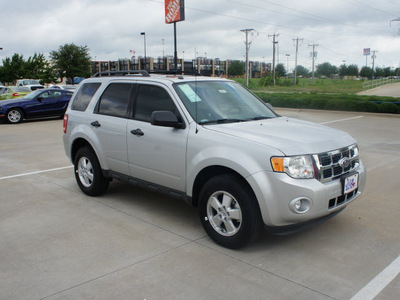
(350, 183)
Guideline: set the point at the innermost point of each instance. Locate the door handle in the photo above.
(137, 132)
(95, 124)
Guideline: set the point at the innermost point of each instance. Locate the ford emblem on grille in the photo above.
(344, 162)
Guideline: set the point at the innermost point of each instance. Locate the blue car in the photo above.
(40, 103)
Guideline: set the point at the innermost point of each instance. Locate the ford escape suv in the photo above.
(214, 144)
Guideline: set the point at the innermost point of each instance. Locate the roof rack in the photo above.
(144, 73)
(176, 72)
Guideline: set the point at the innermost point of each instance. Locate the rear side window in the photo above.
(84, 95)
(115, 100)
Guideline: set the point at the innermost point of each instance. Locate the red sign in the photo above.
(174, 11)
(367, 51)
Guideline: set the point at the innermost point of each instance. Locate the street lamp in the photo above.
(144, 40)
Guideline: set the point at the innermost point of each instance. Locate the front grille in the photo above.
(333, 164)
(335, 202)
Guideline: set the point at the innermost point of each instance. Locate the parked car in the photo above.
(40, 103)
(214, 144)
(11, 92)
(69, 87)
(32, 84)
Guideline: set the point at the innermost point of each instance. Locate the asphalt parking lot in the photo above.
(57, 243)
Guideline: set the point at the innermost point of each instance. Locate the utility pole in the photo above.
(246, 31)
(313, 55)
(274, 36)
(287, 64)
(295, 60)
(373, 63)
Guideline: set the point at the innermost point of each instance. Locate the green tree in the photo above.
(379, 72)
(36, 67)
(13, 68)
(71, 61)
(236, 68)
(366, 72)
(352, 70)
(302, 71)
(326, 69)
(343, 70)
(280, 70)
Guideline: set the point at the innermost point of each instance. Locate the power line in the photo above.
(368, 6)
(318, 17)
(254, 21)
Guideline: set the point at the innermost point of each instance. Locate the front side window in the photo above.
(152, 98)
(50, 95)
(84, 95)
(213, 102)
(115, 100)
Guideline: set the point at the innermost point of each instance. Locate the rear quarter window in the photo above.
(84, 95)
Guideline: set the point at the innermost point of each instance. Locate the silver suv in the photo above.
(214, 144)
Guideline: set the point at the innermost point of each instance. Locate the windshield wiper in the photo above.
(221, 121)
(259, 118)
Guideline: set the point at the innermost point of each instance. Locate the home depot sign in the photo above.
(174, 11)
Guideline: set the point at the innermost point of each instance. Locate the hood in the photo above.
(290, 136)
(11, 101)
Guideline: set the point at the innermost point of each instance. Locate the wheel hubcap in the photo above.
(224, 213)
(14, 116)
(85, 172)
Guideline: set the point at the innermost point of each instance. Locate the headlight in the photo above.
(295, 166)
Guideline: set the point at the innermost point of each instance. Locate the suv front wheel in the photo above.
(228, 211)
(88, 173)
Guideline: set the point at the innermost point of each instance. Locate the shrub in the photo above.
(332, 102)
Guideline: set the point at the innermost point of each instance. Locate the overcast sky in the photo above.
(111, 28)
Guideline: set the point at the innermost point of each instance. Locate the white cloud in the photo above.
(342, 28)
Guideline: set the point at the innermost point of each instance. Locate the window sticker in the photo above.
(193, 97)
(223, 91)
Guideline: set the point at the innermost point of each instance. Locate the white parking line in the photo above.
(341, 120)
(34, 173)
(376, 285)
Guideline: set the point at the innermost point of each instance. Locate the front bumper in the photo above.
(276, 191)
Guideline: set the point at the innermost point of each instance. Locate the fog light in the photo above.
(300, 205)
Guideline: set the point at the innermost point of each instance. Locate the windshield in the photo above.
(213, 102)
(31, 81)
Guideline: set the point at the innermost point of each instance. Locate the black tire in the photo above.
(88, 173)
(14, 116)
(229, 211)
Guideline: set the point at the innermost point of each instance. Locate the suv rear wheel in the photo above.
(88, 173)
(228, 211)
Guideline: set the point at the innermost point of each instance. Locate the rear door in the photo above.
(109, 122)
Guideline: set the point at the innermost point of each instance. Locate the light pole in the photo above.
(162, 47)
(144, 41)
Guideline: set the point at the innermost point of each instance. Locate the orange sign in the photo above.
(174, 11)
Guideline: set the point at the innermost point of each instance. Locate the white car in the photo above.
(214, 144)
(32, 84)
(63, 87)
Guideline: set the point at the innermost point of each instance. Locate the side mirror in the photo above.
(269, 106)
(165, 119)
